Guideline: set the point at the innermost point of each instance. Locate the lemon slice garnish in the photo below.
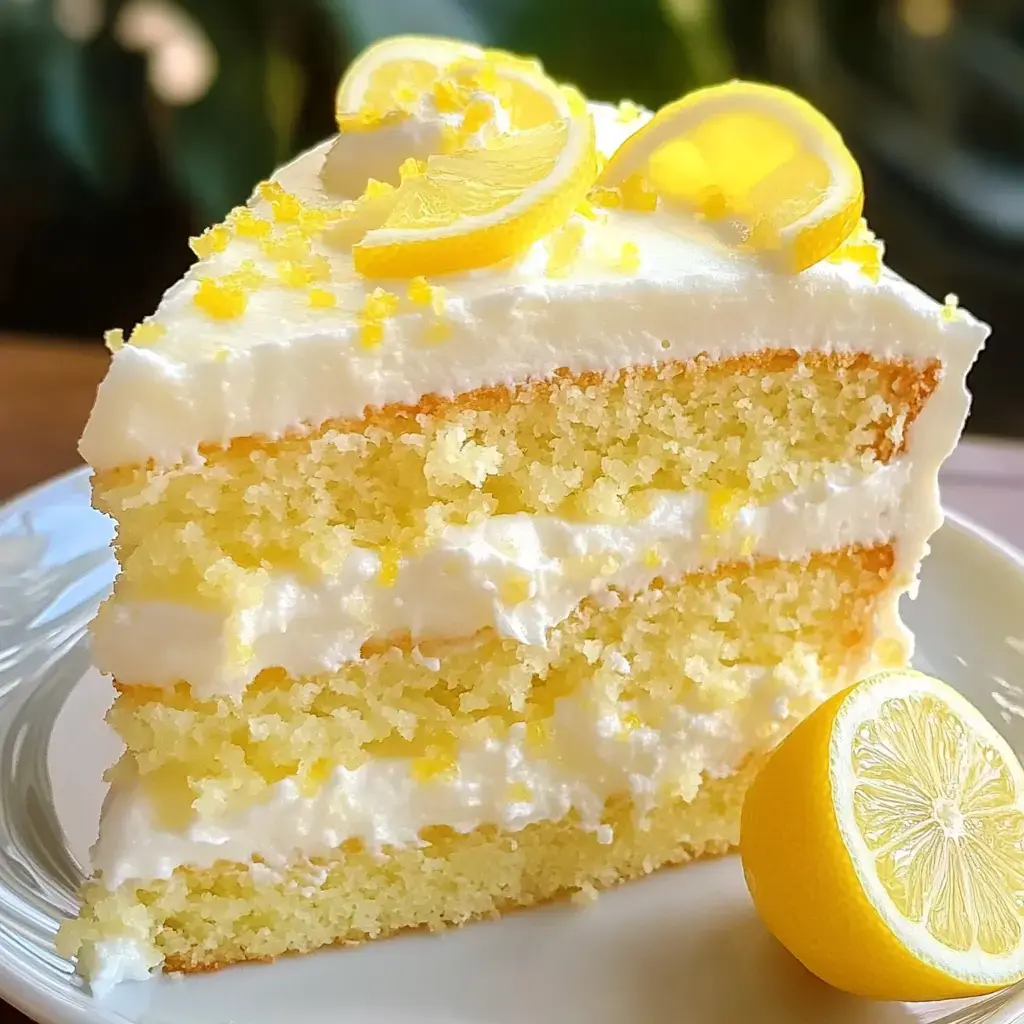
(478, 206)
(389, 74)
(393, 77)
(883, 843)
(756, 161)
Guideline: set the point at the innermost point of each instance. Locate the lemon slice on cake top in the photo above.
(756, 161)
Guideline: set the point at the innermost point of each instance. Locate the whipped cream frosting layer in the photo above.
(284, 366)
(462, 584)
(591, 755)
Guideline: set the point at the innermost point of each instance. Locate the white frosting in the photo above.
(591, 756)
(283, 365)
(110, 961)
(458, 587)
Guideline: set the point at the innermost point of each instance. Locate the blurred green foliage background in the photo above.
(129, 123)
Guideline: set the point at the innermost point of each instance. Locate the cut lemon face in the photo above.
(481, 205)
(883, 843)
(755, 161)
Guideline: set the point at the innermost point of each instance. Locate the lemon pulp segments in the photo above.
(937, 808)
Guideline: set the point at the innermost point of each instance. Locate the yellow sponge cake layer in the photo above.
(689, 643)
(582, 447)
(204, 919)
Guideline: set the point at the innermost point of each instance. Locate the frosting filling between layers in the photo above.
(589, 754)
(518, 574)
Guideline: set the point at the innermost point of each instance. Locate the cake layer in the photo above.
(284, 366)
(589, 749)
(517, 574)
(200, 919)
(713, 647)
(589, 448)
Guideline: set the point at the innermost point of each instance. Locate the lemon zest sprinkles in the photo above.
(213, 240)
(563, 249)
(146, 333)
(291, 244)
(219, 300)
(629, 258)
(628, 111)
(379, 306)
(321, 298)
(284, 206)
(114, 339)
(245, 223)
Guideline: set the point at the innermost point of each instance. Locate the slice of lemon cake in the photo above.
(498, 488)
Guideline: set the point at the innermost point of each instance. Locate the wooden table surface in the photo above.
(47, 388)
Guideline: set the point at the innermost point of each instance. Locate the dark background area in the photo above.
(127, 125)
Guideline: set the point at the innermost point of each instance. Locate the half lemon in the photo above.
(883, 843)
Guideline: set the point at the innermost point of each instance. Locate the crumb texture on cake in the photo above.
(202, 920)
(583, 447)
(691, 644)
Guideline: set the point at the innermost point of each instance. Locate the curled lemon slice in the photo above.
(481, 205)
(424, 76)
(390, 73)
(756, 161)
(883, 843)
(415, 96)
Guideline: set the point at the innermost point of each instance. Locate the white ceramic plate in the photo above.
(683, 946)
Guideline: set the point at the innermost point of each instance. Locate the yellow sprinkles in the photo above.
(291, 244)
(628, 111)
(219, 300)
(321, 298)
(212, 240)
(247, 224)
(563, 248)
(379, 306)
(146, 333)
(629, 258)
(284, 206)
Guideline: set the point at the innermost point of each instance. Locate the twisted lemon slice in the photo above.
(387, 75)
(758, 162)
(481, 205)
(883, 843)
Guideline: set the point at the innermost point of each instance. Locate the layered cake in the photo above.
(500, 485)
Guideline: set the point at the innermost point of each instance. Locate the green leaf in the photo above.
(91, 108)
(696, 23)
(286, 85)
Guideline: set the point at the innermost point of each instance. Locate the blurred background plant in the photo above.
(129, 124)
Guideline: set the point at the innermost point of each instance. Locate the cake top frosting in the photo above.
(281, 325)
